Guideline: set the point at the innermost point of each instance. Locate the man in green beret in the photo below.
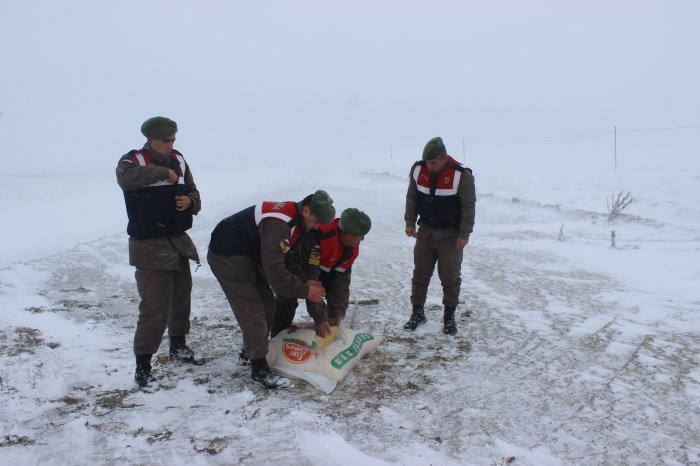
(327, 255)
(247, 256)
(441, 197)
(161, 198)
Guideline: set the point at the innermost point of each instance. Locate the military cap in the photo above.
(434, 148)
(355, 222)
(158, 128)
(322, 206)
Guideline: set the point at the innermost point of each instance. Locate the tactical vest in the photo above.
(238, 234)
(335, 258)
(151, 210)
(438, 204)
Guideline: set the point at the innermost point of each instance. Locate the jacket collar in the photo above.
(155, 156)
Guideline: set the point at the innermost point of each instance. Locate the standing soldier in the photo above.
(328, 253)
(441, 192)
(161, 198)
(247, 256)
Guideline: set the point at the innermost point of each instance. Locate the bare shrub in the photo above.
(618, 203)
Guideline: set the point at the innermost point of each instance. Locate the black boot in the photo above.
(181, 352)
(263, 375)
(450, 327)
(143, 377)
(417, 318)
(243, 360)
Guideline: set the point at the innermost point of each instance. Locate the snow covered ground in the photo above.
(569, 351)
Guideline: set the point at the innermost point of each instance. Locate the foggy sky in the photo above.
(358, 84)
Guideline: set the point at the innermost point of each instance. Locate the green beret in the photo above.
(322, 206)
(158, 128)
(355, 222)
(434, 148)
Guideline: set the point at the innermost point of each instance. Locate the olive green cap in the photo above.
(434, 148)
(355, 222)
(158, 128)
(322, 206)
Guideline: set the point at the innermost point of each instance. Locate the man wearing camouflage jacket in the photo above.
(247, 256)
(161, 198)
(441, 196)
(326, 255)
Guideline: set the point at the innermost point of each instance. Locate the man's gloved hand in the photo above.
(323, 342)
(182, 203)
(335, 321)
(172, 176)
(316, 291)
(323, 329)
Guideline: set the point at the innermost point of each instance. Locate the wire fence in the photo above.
(579, 135)
(611, 149)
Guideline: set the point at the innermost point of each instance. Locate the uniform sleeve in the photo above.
(467, 201)
(192, 192)
(317, 311)
(338, 294)
(410, 215)
(274, 237)
(295, 258)
(311, 256)
(311, 259)
(132, 176)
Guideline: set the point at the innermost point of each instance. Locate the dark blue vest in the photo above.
(151, 210)
(238, 234)
(438, 204)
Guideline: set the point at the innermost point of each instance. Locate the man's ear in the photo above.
(305, 211)
(345, 237)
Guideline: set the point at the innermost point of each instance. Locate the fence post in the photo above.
(615, 148)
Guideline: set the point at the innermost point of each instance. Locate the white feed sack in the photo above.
(294, 353)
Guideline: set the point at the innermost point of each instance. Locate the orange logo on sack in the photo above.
(295, 353)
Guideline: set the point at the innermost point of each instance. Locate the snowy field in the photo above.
(569, 351)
